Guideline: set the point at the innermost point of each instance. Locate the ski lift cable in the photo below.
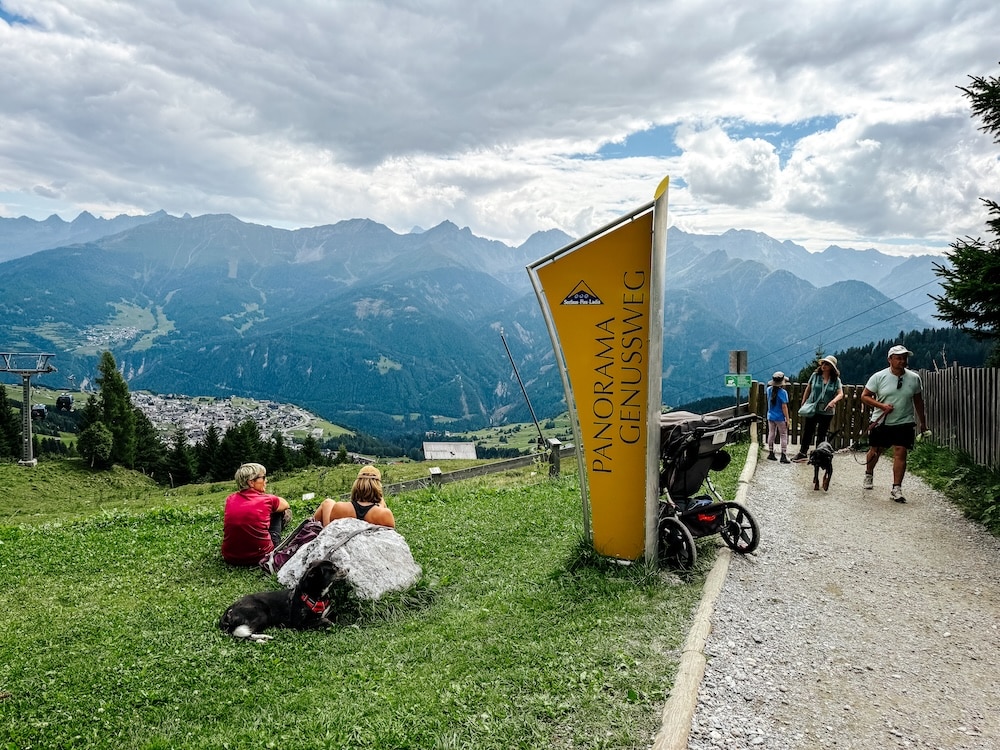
(852, 317)
(870, 325)
(896, 315)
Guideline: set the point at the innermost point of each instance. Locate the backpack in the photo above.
(304, 533)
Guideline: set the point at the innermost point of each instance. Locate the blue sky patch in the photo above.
(783, 136)
(12, 18)
(658, 141)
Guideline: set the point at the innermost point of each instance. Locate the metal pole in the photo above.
(541, 437)
(26, 458)
(12, 362)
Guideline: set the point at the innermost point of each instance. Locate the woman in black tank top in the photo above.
(366, 502)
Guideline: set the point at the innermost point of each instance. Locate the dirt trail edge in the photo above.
(859, 623)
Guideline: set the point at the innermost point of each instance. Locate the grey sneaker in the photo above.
(896, 494)
(869, 482)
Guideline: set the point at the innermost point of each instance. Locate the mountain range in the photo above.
(391, 332)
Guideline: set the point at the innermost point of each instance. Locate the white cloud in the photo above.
(742, 173)
(410, 113)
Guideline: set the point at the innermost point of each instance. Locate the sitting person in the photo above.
(366, 502)
(253, 520)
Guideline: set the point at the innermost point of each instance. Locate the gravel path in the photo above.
(859, 623)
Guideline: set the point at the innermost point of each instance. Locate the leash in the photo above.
(319, 606)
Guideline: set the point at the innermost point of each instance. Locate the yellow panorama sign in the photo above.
(603, 301)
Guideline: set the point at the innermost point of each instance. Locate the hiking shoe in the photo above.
(784, 459)
(771, 456)
(869, 482)
(800, 458)
(896, 494)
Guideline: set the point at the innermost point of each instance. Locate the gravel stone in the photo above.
(858, 623)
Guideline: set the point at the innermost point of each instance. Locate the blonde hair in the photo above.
(247, 473)
(367, 488)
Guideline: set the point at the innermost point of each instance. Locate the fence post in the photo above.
(554, 446)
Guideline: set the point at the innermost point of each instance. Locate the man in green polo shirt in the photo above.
(896, 397)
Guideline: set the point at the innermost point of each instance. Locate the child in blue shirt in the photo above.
(777, 416)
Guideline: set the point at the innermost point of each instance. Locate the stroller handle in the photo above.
(727, 425)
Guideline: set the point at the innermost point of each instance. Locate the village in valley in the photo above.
(195, 415)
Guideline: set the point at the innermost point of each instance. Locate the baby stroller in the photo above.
(692, 446)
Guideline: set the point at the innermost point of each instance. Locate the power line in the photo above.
(870, 325)
(856, 315)
(845, 320)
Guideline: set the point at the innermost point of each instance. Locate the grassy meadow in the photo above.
(516, 637)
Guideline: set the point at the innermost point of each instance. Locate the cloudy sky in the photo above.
(817, 121)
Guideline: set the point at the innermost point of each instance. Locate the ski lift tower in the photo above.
(21, 364)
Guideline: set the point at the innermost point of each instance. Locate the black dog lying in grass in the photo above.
(822, 458)
(321, 589)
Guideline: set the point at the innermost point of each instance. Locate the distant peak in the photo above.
(444, 226)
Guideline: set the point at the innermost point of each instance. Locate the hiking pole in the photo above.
(541, 437)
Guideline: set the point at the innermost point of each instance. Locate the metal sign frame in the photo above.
(652, 353)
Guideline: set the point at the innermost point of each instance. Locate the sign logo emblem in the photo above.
(582, 295)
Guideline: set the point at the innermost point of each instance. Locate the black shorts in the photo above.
(887, 436)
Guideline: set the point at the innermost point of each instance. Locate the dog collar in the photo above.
(314, 605)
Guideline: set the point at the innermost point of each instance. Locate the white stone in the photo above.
(377, 558)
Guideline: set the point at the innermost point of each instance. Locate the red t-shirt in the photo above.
(246, 524)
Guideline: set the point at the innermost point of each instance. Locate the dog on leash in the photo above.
(304, 607)
(821, 459)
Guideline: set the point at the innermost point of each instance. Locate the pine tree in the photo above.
(241, 444)
(280, 459)
(207, 454)
(150, 453)
(180, 460)
(10, 428)
(91, 412)
(970, 297)
(117, 413)
(311, 454)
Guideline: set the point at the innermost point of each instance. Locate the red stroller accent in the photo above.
(692, 446)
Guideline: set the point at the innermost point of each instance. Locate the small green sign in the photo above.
(738, 380)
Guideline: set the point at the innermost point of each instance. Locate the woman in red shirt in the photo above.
(253, 520)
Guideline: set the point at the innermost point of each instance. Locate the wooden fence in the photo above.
(550, 460)
(850, 416)
(962, 405)
(963, 410)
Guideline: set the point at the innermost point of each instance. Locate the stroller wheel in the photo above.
(740, 530)
(677, 548)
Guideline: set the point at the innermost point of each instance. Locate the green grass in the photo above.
(973, 488)
(516, 637)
